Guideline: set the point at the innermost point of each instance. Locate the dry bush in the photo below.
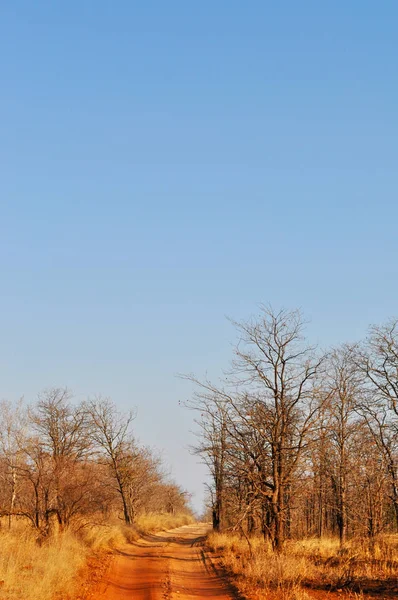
(358, 561)
(260, 566)
(311, 562)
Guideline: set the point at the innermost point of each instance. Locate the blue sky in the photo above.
(166, 164)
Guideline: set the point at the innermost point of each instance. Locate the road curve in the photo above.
(165, 566)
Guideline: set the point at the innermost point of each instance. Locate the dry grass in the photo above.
(32, 572)
(311, 563)
(50, 571)
(151, 522)
(103, 536)
(359, 561)
(113, 533)
(258, 567)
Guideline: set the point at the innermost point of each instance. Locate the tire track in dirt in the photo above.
(166, 566)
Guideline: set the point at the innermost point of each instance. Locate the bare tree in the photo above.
(343, 394)
(62, 433)
(262, 425)
(12, 435)
(212, 405)
(378, 362)
(111, 433)
(280, 370)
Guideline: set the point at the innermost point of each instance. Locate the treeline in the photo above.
(63, 463)
(298, 442)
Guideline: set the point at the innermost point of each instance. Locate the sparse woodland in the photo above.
(72, 480)
(64, 463)
(303, 445)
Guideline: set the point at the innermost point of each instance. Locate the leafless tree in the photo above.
(62, 431)
(378, 362)
(111, 433)
(342, 386)
(212, 405)
(12, 435)
(262, 425)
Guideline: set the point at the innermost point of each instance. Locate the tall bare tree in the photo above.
(343, 397)
(261, 424)
(111, 433)
(212, 405)
(378, 362)
(280, 369)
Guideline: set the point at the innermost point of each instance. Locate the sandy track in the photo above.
(165, 566)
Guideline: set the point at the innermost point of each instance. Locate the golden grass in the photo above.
(151, 522)
(103, 536)
(258, 566)
(113, 533)
(50, 571)
(310, 563)
(32, 572)
(359, 560)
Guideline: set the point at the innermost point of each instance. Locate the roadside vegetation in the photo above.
(56, 568)
(302, 449)
(310, 565)
(74, 484)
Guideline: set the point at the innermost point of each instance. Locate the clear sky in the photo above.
(164, 164)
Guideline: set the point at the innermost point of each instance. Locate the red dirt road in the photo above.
(165, 566)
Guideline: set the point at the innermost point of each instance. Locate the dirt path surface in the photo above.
(165, 566)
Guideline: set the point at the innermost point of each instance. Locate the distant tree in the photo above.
(111, 434)
(12, 435)
(212, 405)
(342, 386)
(378, 362)
(63, 443)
